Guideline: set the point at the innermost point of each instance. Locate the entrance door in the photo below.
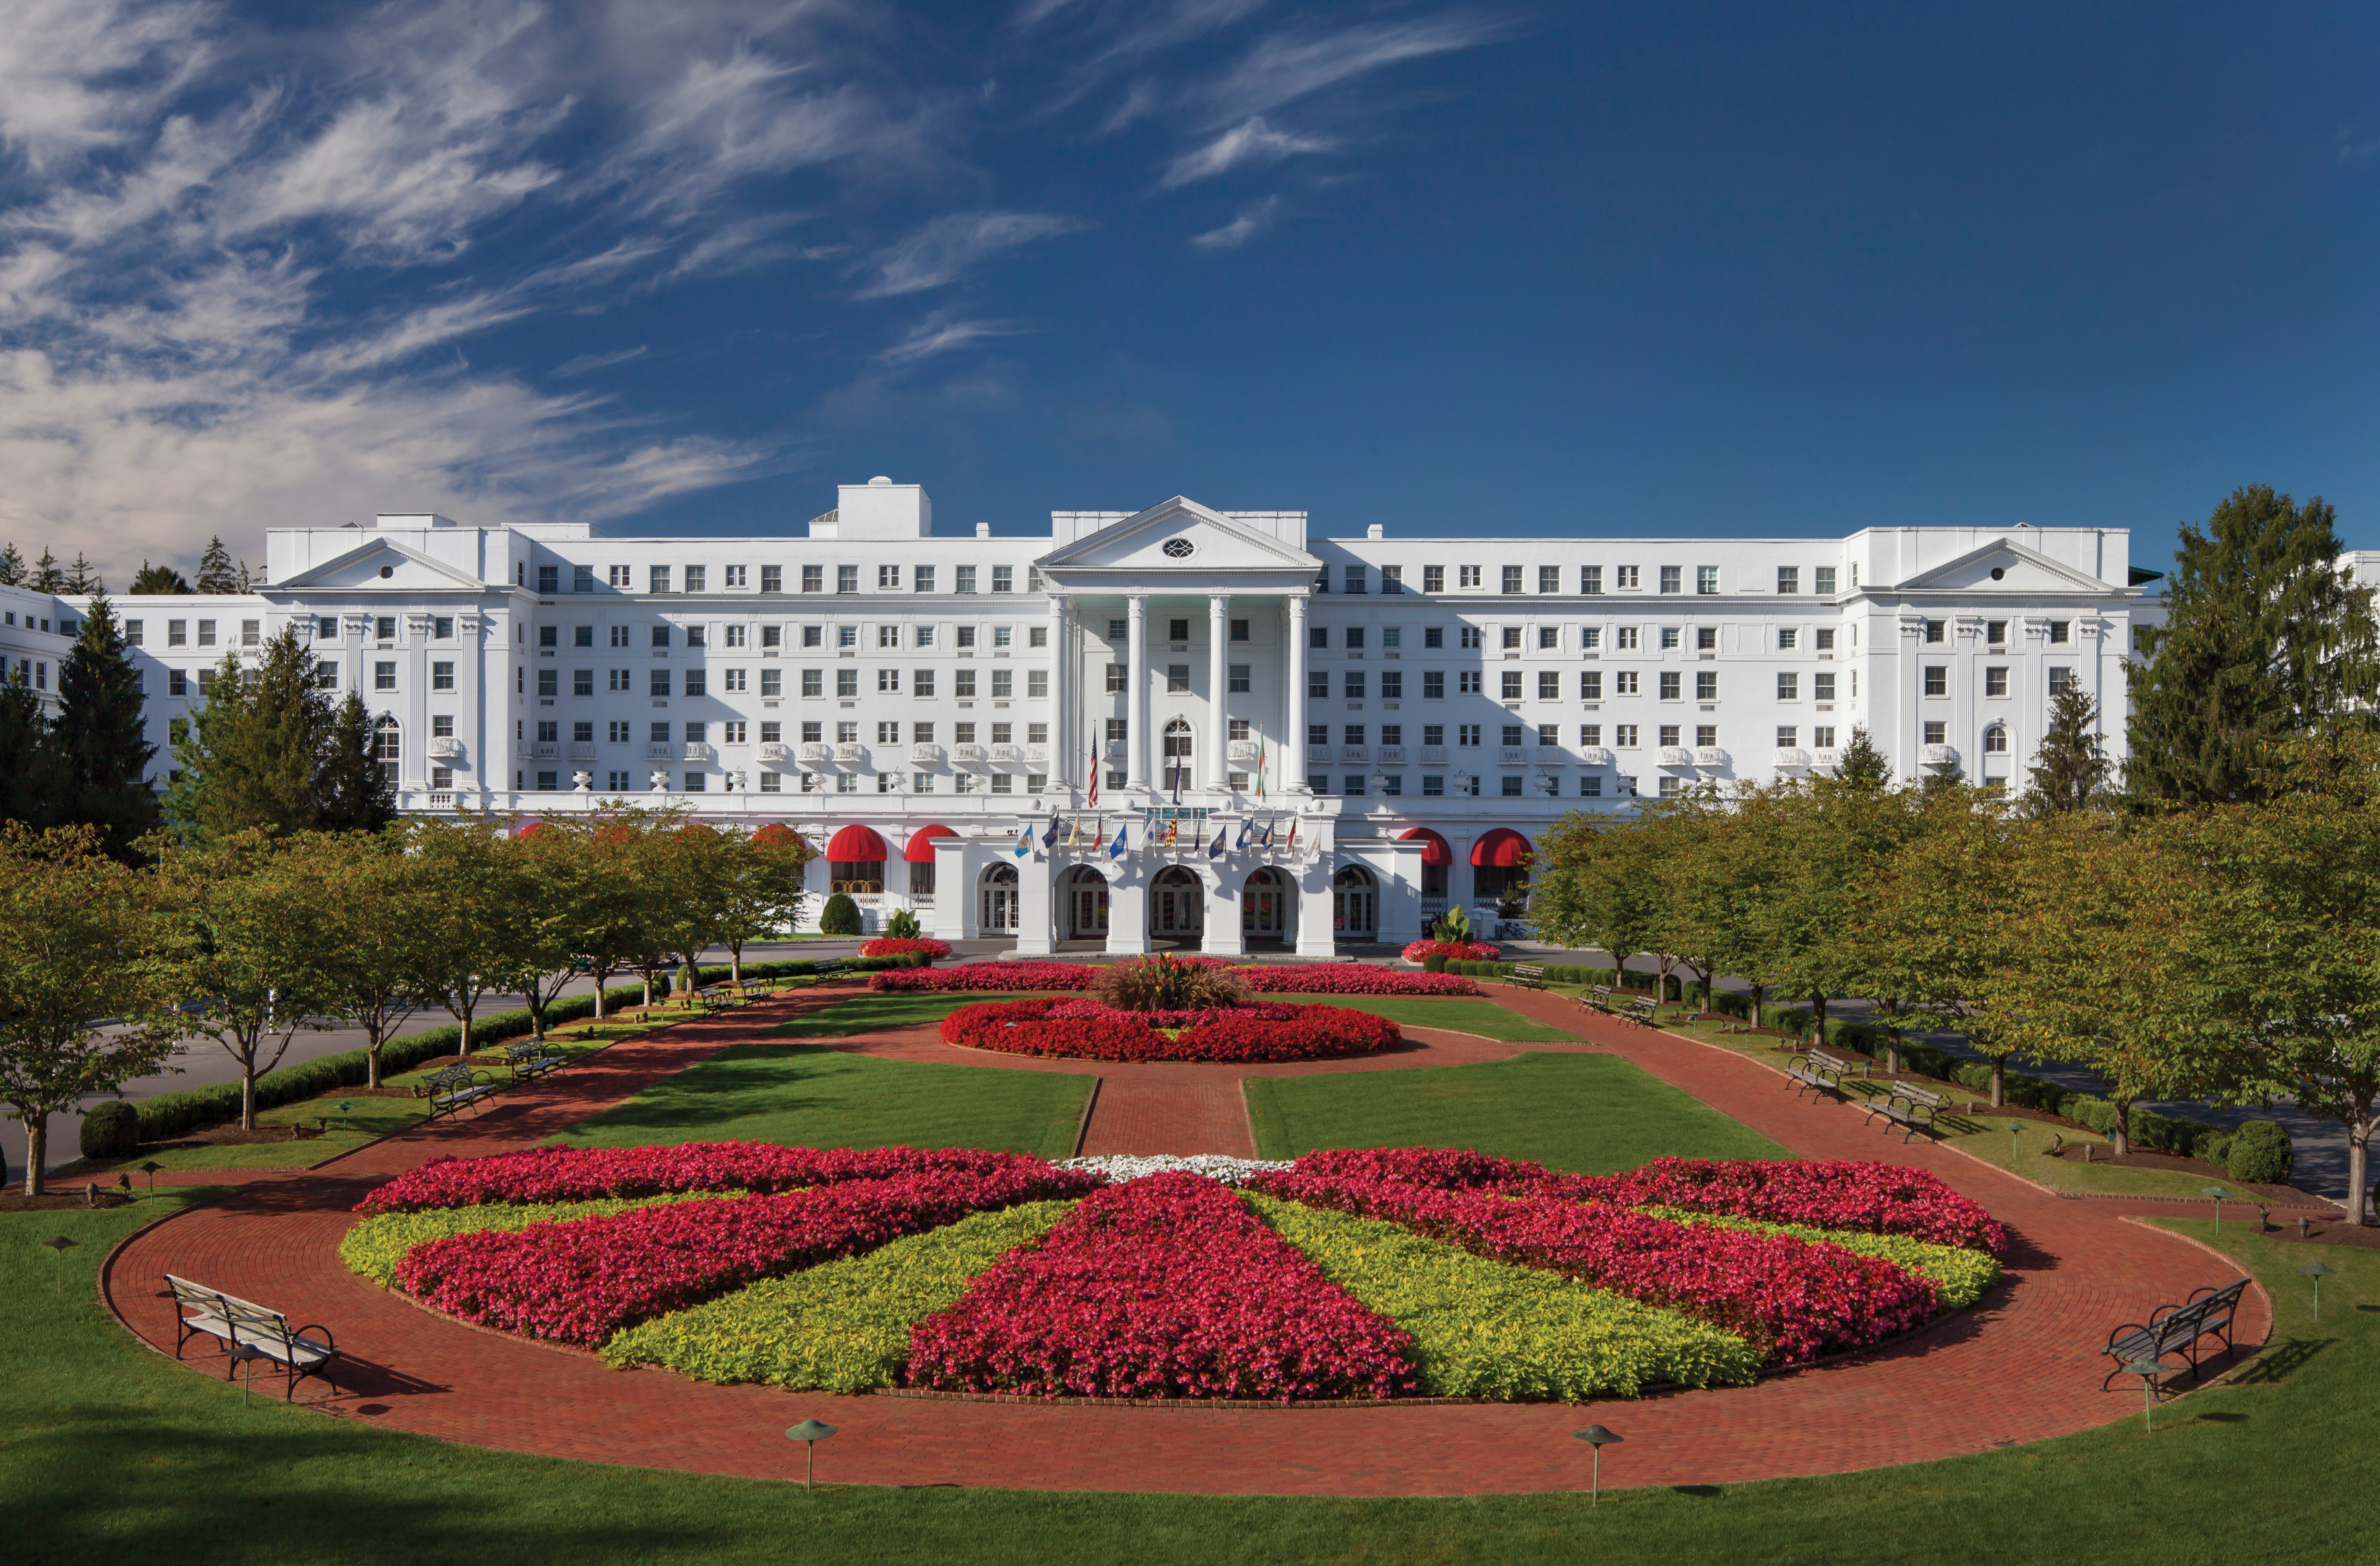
(1355, 904)
(1180, 910)
(998, 900)
(1264, 913)
(1090, 903)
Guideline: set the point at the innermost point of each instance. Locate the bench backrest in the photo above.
(447, 1076)
(1600, 989)
(1832, 1063)
(237, 1312)
(1529, 970)
(1924, 1095)
(517, 1051)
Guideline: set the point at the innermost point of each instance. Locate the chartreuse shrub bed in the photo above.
(1367, 1273)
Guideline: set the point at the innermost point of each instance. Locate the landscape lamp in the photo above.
(2317, 1271)
(810, 1432)
(1598, 1437)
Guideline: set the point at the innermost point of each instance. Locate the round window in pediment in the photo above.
(1179, 549)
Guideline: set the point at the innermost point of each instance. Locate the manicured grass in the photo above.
(114, 1453)
(804, 1095)
(1483, 1017)
(1990, 1139)
(1592, 1114)
(876, 1013)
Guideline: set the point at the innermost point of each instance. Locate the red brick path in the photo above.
(2018, 1367)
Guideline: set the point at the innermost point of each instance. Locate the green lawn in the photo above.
(1588, 1113)
(1990, 1139)
(1483, 1017)
(804, 1095)
(108, 1452)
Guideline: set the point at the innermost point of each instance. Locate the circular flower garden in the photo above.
(1091, 1030)
(1370, 1274)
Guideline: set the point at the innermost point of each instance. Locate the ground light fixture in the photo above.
(246, 1354)
(151, 1169)
(2016, 1131)
(2218, 1193)
(59, 1245)
(810, 1432)
(1598, 1437)
(2147, 1370)
(2313, 1269)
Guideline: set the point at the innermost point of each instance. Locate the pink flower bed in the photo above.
(1795, 1299)
(581, 1174)
(1165, 1287)
(581, 1282)
(1878, 1198)
(1351, 978)
(1453, 950)
(1093, 1032)
(987, 975)
(905, 946)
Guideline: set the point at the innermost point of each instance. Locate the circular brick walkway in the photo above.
(2021, 1366)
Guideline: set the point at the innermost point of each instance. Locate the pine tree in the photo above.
(33, 776)
(48, 577)
(153, 579)
(12, 567)
(254, 754)
(353, 792)
(100, 735)
(2264, 636)
(1862, 765)
(2069, 771)
(82, 576)
(215, 573)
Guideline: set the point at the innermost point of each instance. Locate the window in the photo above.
(1351, 579)
(1624, 683)
(384, 629)
(922, 578)
(657, 578)
(1705, 639)
(1466, 733)
(177, 632)
(1512, 575)
(1788, 687)
(659, 684)
(1627, 578)
(1433, 685)
(1823, 736)
(1003, 683)
(621, 679)
(1933, 631)
(1433, 734)
(1548, 686)
(847, 579)
(326, 675)
(616, 732)
(1116, 684)
(847, 635)
(1392, 637)
(1433, 579)
(1239, 682)
(1823, 581)
(1994, 680)
(582, 682)
(772, 578)
(1470, 637)
(1623, 736)
(621, 576)
(1037, 685)
(1668, 734)
(961, 684)
(2061, 680)
(549, 635)
(1668, 638)
(1433, 637)
(888, 682)
(549, 579)
(1788, 638)
(1548, 639)
(1624, 639)
(1317, 636)
(383, 676)
(1937, 680)
(659, 636)
(1353, 732)
(1392, 685)
(1827, 640)
(1468, 576)
(888, 578)
(1392, 580)
(1789, 579)
(1672, 578)
(813, 578)
(177, 683)
(888, 635)
(1822, 687)
(1510, 686)
(1512, 785)
(732, 680)
(1512, 638)
(1670, 687)
(1352, 685)
(962, 578)
(921, 683)
(2061, 632)
(1937, 734)
(1003, 579)
(1433, 785)
(1707, 686)
(1706, 579)
(1590, 686)
(1466, 682)
(1039, 636)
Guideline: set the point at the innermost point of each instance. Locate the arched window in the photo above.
(999, 899)
(388, 745)
(1996, 739)
(1355, 902)
(1177, 751)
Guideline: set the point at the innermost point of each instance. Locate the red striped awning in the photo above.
(920, 849)
(856, 844)
(1433, 850)
(1503, 849)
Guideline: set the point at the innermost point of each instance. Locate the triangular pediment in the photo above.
(1179, 535)
(2021, 569)
(360, 568)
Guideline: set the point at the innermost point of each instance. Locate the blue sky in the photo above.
(1446, 267)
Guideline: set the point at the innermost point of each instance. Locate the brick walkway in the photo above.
(2018, 1367)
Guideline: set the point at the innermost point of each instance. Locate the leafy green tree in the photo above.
(253, 754)
(101, 734)
(216, 572)
(2069, 771)
(351, 789)
(2266, 636)
(1859, 764)
(49, 577)
(81, 946)
(368, 899)
(155, 579)
(1839, 835)
(33, 774)
(763, 895)
(468, 882)
(1598, 887)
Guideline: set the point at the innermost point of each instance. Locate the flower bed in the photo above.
(906, 946)
(374, 1248)
(986, 975)
(1167, 1287)
(1453, 950)
(1350, 979)
(1031, 1028)
(1877, 1198)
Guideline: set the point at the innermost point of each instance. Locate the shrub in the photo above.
(1434, 963)
(1165, 983)
(2260, 1153)
(840, 916)
(902, 925)
(1960, 1274)
(1467, 950)
(111, 1129)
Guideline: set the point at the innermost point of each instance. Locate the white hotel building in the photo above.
(1417, 710)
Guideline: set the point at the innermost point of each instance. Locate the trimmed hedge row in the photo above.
(1564, 973)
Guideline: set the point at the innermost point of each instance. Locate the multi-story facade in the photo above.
(1300, 740)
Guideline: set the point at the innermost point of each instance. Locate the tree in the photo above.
(1860, 764)
(33, 774)
(555, 898)
(216, 574)
(12, 567)
(1839, 834)
(48, 575)
(2266, 636)
(83, 578)
(101, 734)
(468, 881)
(155, 579)
(764, 895)
(368, 899)
(2069, 771)
(254, 753)
(613, 936)
(79, 941)
(1599, 887)
(351, 789)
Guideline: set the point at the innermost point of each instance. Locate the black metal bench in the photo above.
(452, 1089)
(1643, 1008)
(1598, 998)
(828, 967)
(236, 1323)
(1816, 1070)
(1528, 975)
(714, 998)
(1912, 1109)
(530, 1060)
(2176, 1329)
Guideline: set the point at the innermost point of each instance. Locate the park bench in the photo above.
(756, 989)
(1819, 1070)
(237, 1323)
(1912, 1109)
(452, 1089)
(1598, 998)
(531, 1059)
(1643, 1008)
(1528, 975)
(2176, 1329)
(714, 998)
(828, 966)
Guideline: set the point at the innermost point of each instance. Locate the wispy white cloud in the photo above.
(1251, 221)
(79, 76)
(1250, 141)
(947, 247)
(1288, 66)
(942, 331)
(588, 364)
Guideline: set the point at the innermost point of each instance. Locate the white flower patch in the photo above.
(1121, 1167)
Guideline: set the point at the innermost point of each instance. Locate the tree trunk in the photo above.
(2123, 1127)
(2359, 1162)
(736, 961)
(247, 1094)
(462, 1031)
(37, 1148)
(1999, 1080)
(371, 1062)
(600, 978)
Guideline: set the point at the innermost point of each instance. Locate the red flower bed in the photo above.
(1033, 1027)
(905, 946)
(1070, 1011)
(581, 1282)
(1879, 1199)
(1351, 978)
(987, 975)
(583, 1174)
(1166, 1287)
(1795, 1299)
(1453, 950)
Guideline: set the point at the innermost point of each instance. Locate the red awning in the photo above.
(1503, 849)
(856, 846)
(1433, 850)
(920, 850)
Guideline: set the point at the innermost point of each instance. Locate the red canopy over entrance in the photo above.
(920, 848)
(1433, 850)
(1503, 849)
(856, 845)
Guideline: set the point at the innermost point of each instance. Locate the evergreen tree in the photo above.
(100, 735)
(12, 567)
(215, 573)
(2264, 636)
(2069, 771)
(82, 576)
(155, 579)
(1862, 765)
(353, 792)
(253, 753)
(32, 777)
(48, 576)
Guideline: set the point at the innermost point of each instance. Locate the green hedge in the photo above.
(1563, 973)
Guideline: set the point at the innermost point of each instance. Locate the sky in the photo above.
(1492, 268)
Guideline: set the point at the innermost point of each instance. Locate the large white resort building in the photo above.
(1296, 741)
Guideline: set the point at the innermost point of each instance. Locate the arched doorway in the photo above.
(1267, 905)
(1086, 912)
(388, 745)
(1355, 904)
(1177, 754)
(1177, 905)
(998, 901)
(1500, 872)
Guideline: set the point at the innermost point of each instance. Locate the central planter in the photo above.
(1073, 1029)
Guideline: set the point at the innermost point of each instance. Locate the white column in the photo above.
(1063, 676)
(1223, 937)
(1219, 682)
(1037, 904)
(1293, 706)
(1136, 705)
